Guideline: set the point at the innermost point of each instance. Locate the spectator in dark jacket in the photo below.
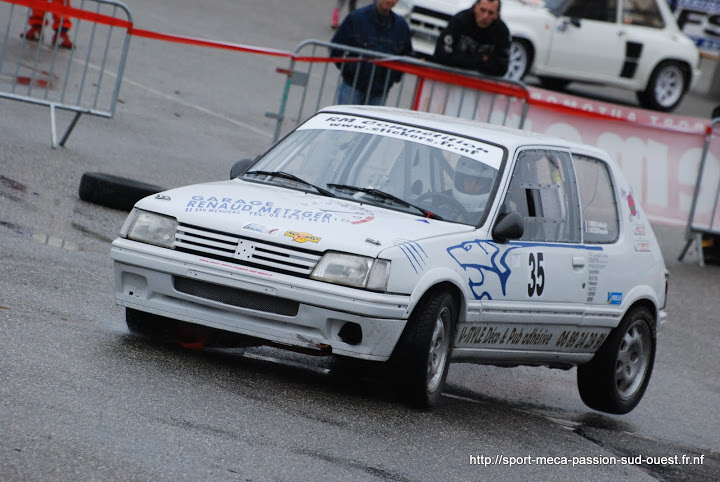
(374, 27)
(476, 39)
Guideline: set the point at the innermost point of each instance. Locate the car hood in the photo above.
(513, 7)
(294, 218)
(445, 6)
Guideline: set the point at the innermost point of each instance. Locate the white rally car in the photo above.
(630, 44)
(393, 236)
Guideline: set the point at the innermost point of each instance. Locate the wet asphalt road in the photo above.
(80, 399)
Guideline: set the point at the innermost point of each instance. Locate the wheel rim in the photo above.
(669, 85)
(518, 62)
(633, 359)
(438, 350)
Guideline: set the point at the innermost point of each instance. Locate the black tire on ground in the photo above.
(711, 249)
(615, 379)
(114, 191)
(161, 329)
(422, 356)
(150, 326)
(666, 88)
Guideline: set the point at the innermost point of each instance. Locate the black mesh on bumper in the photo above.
(236, 297)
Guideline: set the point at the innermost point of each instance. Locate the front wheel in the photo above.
(422, 356)
(520, 60)
(615, 380)
(666, 87)
(148, 325)
(160, 329)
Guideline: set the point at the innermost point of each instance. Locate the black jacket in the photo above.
(463, 44)
(365, 29)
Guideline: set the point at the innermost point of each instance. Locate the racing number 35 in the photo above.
(537, 274)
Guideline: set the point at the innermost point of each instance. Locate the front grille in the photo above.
(444, 17)
(236, 297)
(426, 25)
(244, 251)
(424, 36)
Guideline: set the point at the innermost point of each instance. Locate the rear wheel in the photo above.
(520, 59)
(615, 380)
(666, 87)
(422, 357)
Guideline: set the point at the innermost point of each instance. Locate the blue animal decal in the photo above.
(414, 253)
(485, 265)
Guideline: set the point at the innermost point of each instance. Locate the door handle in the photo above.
(578, 262)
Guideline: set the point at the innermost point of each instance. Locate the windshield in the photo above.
(557, 6)
(415, 170)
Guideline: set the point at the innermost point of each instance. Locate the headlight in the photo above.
(353, 270)
(150, 228)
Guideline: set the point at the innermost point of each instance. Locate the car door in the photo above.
(610, 270)
(546, 269)
(588, 42)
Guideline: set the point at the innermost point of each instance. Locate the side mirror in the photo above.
(507, 227)
(575, 21)
(240, 167)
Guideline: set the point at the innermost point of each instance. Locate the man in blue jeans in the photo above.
(374, 27)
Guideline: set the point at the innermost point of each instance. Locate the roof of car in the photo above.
(506, 136)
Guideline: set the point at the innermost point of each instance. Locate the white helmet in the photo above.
(472, 184)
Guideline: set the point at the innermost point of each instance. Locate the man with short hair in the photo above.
(476, 39)
(374, 27)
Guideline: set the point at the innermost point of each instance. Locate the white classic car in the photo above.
(630, 44)
(408, 239)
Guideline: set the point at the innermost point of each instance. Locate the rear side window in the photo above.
(642, 12)
(597, 200)
(543, 191)
(602, 10)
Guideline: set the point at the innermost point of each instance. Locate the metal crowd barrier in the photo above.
(313, 81)
(85, 79)
(707, 191)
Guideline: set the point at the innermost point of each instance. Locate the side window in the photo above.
(642, 12)
(543, 191)
(597, 200)
(601, 10)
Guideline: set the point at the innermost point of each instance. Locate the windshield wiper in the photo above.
(385, 196)
(292, 177)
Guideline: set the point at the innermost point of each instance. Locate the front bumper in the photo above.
(274, 307)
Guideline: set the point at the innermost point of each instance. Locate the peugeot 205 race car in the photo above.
(412, 239)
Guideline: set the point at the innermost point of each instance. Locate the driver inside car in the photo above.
(472, 184)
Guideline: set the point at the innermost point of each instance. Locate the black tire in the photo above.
(161, 329)
(711, 249)
(422, 356)
(150, 326)
(554, 83)
(114, 192)
(666, 88)
(521, 58)
(614, 381)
